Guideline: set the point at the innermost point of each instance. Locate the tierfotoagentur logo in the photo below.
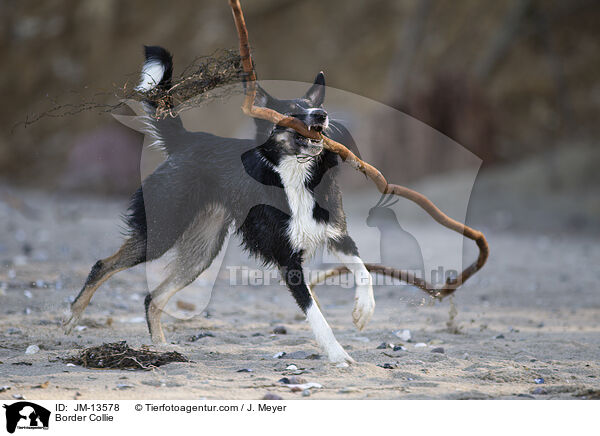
(25, 415)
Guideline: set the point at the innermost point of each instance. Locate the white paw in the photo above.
(340, 357)
(364, 306)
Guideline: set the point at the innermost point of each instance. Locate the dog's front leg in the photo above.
(294, 278)
(364, 301)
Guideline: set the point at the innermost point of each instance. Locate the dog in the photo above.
(278, 190)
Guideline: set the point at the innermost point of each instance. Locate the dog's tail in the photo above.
(157, 72)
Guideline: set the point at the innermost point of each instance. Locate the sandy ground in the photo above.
(532, 313)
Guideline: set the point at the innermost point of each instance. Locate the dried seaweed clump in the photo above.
(118, 355)
(205, 79)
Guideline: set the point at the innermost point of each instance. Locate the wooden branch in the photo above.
(370, 171)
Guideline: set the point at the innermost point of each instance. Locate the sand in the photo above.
(526, 327)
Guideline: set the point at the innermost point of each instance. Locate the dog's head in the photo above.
(308, 109)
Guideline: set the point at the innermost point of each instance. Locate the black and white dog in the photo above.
(278, 190)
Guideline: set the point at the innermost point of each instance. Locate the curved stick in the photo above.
(368, 170)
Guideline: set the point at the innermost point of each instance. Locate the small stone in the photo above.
(4, 388)
(136, 320)
(123, 386)
(539, 391)
(71, 364)
(200, 336)
(420, 345)
(80, 328)
(399, 348)
(279, 355)
(382, 346)
(539, 381)
(500, 336)
(297, 355)
(405, 335)
(270, 396)
(388, 365)
(293, 380)
(32, 349)
(245, 370)
(438, 350)
(342, 365)
(28, 294)
(291, 367)
(280, 330)
(306, 393)
(18, 397)
(13, 331)
(348, 390)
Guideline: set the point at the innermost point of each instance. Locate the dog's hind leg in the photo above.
(294, 278)
(131, 253)
(196, 249)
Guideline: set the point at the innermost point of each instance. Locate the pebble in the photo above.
(123, 386)
(32, 349)
(13, 331)
(270, 396)
(399, 348)
(245, 370)
(28, 294)
(291, 367)
(382, 346)
(539, 381)
(306, 393)
(388, 365)
(280, 330)
(18, 397)
(404, 335)
(279, 355)
(500, 336)
(4, 388)
(80, 328)
(200, 336)
(438, 350)
(71, 364)
(155, 383)
(539, 391)
(348, 390)
(420, 345)
(136, 320)
(293, 380)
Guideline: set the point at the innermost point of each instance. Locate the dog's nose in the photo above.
(319, 115)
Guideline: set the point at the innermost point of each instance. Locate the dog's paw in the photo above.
(341, 358)
(364, 306)
(70, 323)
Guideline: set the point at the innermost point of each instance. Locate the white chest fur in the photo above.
(304, 231)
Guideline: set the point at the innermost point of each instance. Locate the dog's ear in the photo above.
(316, 93)
(263, 98)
